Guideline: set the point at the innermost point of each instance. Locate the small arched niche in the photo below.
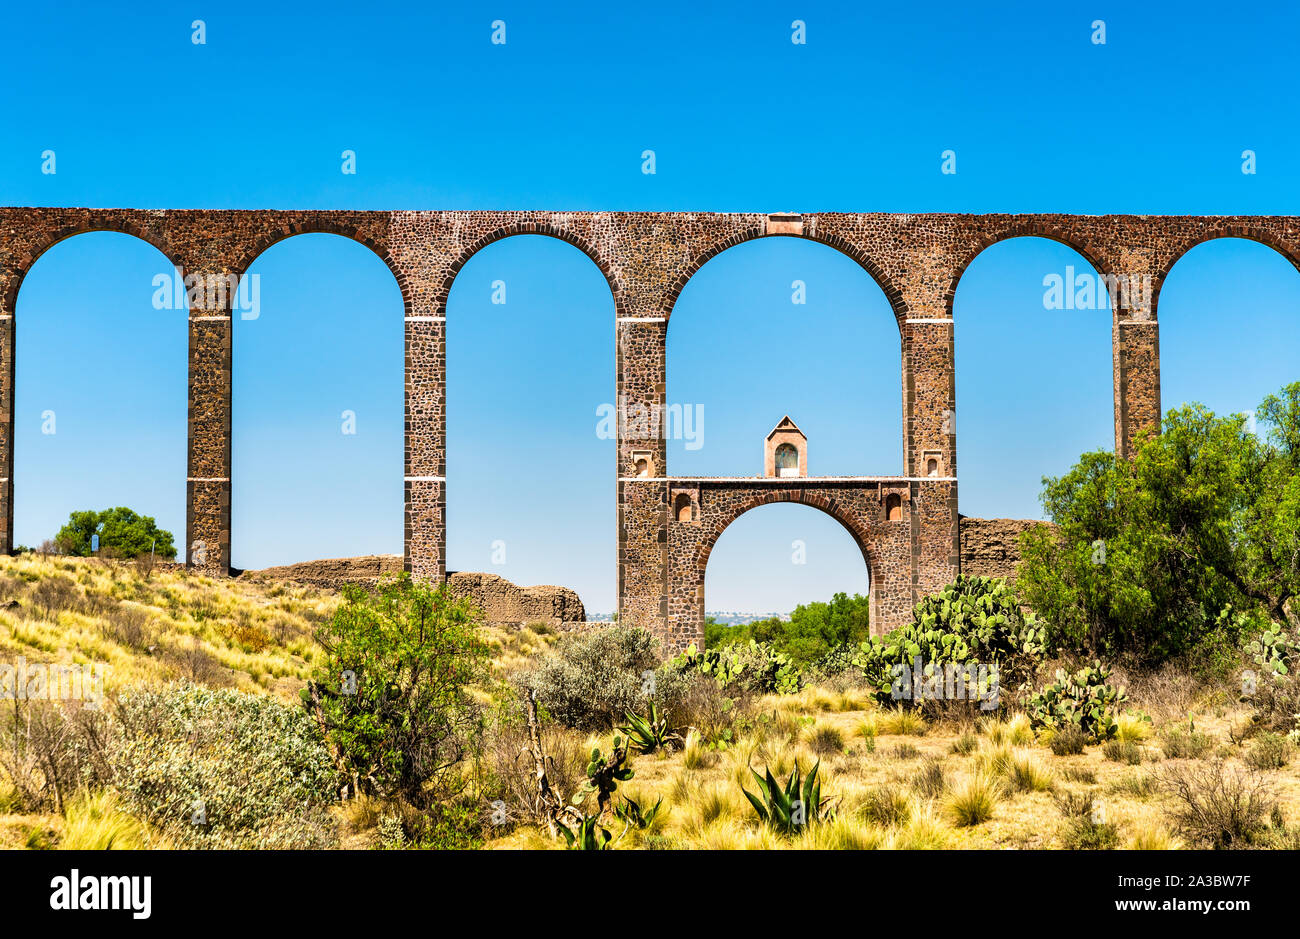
(893, 507)
(785, 451)
(787, 460)
(682, 510)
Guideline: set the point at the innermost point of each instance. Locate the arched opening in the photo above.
(893, 507)
(1032, 324)
(778, 556)
(100, 398)
(777, 326)
(787, 460)
(1229, 313)
(317, 405)
(530, 339)
(682, 508)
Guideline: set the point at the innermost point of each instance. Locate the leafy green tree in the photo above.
(813, 630)
(119, 529)
(393, 690)
(1149, 553)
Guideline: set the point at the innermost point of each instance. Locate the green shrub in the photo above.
(593, 678)
(1122, 751)
(930, 780)
(966, 744)
(391, 689)
(1081, 700)
(1269, 751)
(826, 739)
(1085, 828)
(1189, 744)
(224, 769)
(886, 806)
(972, 801)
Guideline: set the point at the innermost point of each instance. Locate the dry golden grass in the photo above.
(878, 799)
(892, 778)
(252, 634)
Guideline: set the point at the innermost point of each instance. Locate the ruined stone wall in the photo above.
(647, 259)
(502, 602)
(990, 547)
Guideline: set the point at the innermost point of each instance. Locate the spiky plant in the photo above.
(788, 809)
(650, 733)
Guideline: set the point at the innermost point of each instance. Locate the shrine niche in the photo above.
(785, 451)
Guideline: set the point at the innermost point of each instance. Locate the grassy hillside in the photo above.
(249, 634)
(956, 780)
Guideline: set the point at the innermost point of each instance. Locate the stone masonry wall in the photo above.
(647, 259)
(990, 547)
(502, 602)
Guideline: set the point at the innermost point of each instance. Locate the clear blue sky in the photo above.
(1041, 119)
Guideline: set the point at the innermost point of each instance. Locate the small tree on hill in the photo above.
(120, 529)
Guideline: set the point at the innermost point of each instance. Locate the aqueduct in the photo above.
(907, 526)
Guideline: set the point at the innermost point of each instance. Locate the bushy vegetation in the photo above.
(813, 631)
(974, 621)
(203, 767)
(1189, 548)
(392, 694)
(594, 678)
(1082, 701)
(121, 532)
(223, 769)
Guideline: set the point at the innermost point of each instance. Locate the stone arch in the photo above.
(308, 263)
(715, 525)
(579, 290)
(1021, 228)
(24, 262)
(1245, 232)
(1011, 315)
(324, 227)
(835, 242)
(840, 250)
(545, 228)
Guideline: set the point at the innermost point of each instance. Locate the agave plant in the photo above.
(787, 810)
(629, 810)
(589, 835)
(650, 733)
